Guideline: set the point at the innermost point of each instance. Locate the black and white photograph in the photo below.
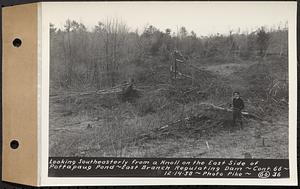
(148, 81)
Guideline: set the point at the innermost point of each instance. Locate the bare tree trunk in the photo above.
(115, 26)
(70, 70)
(65, 59)
(106, 56)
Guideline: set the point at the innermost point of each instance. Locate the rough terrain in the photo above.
(159, 124)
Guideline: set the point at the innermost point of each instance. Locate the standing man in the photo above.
(238, 105)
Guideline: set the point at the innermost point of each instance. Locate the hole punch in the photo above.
(14, 144)
(17, 42)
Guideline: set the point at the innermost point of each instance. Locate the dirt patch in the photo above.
(229, 68)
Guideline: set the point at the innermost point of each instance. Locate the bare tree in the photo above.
(262, 41)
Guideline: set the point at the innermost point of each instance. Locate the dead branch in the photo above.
(115, 89)
(212, 106)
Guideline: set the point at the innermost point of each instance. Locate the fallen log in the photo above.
(187, 76)
(191, 65)
(189, 91)
(184, 75)
(115, 89)
(180, 61)
(212, 106)
(244, 113)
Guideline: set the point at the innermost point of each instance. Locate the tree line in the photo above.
(110, 52)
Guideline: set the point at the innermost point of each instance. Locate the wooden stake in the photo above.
(207, 144)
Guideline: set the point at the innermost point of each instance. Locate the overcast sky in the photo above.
(202, 18)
